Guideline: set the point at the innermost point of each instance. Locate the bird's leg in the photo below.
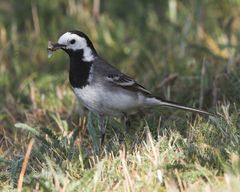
(125, 121)
(123, 146)
(102, 128)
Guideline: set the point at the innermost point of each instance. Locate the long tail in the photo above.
(166, 103)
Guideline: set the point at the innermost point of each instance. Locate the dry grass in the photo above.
(192, 58)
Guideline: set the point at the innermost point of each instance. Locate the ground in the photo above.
(187, 53)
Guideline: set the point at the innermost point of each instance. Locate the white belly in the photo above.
(99, 100)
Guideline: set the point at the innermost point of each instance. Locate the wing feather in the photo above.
(127, 83)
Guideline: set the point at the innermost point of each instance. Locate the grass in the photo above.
(192, 59)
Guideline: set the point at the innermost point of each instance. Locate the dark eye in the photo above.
(72, 41)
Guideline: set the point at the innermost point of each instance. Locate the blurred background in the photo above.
(183, 50)
(168, 46)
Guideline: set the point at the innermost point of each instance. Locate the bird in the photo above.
(102, 88)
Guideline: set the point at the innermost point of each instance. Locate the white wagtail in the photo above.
(100, 87)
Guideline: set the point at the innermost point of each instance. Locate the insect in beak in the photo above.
(54, 47)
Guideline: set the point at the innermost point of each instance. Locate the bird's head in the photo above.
(74, 42)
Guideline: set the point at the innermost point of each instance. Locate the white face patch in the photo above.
(75, 42)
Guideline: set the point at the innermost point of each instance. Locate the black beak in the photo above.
(55, 46)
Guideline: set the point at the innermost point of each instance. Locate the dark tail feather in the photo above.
(179, 106)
